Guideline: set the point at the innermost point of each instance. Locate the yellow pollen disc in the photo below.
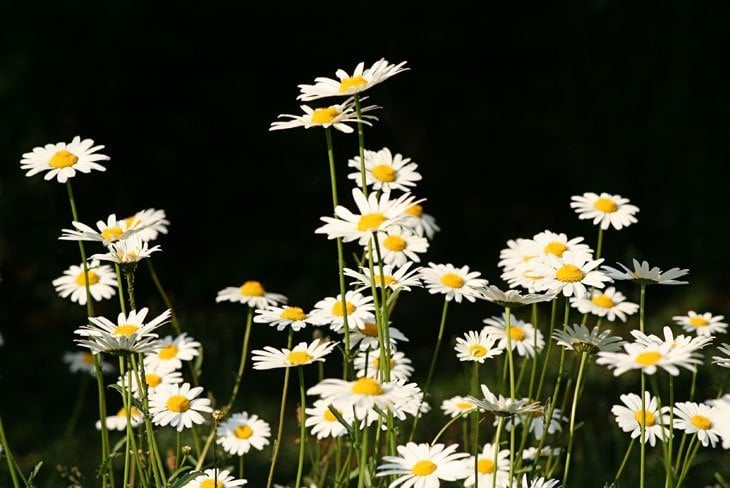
(337, 308)
(132, 221)
(252, 289)
(243, 432)
(367, 386)
(384, 280)
(529, 276)
(485, 466)
(648, 358)
(452, 280)
(352, 82)
(370, 330)
(87, 358)
(395, 243)
(298, 357)
(209, 483)
(329, 416)
(477, 350)
(516, 333)
(168, 352)
(701, 422)
(324, 115)
(602, 301)
(384, 173)
(81, 280)
(371, 221)
(112, 233)
(178, 403)
(152, 380)
(423, 468)
(63, 159)
(415, 210)
(125, 329)
(605, 205)
(555, 247)
(698, 322)
(569, 273)
(464, 405)
(132, 412)
(376, 363)
(292, 313)
(650, 420)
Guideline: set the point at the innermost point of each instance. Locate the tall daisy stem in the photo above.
(623, 463)
(8, 456)
(510, 362)
(497, 435)
(475, 427)
(573, 409)
(282, 409)
(302, 428)
(642, 427)
(242, 362)
(361, 145)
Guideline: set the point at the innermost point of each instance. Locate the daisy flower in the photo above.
(607, 303)
(173, 351)
(455, 283)
(282, 317)
(704, 420)
(642, 273)
(119, 421)
(522, 334)
(367, 364)
(366, 393)
(689, 344)
(477, 346)
(129, 334)
(531, 453)
(213, 478)
(127, 251)
(536, 422)
(375, 213)
(85, 361)
(150, 223)
(524, 275)
(336, 116)
(398, 245)
(302, 354)
(578, 338)
(155, 377)
(629, 417)
(323, 422)
(396, 279)
(62, 160)
(360, 80)
(457, 405)
(648, 358)
(423, 465)
(422, 224)
(504, 407)
(722, 361)
(570, 274)
(705, 324)
(240, 432)
(605, 209)
(330, 311)
(102, 280)
(251, 293)
(367, 337)
(517, 251)
(485, 467)
(110, 231)
(384, 171)
(548, 242)
(178, 406)
(513, 298)
(539, 483)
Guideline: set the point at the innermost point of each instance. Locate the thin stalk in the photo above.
(553, 313)
(691, 452)
(623, 463)
(361, 144)
(120, 288)
(127, 384)
(642, 298)
(277, 442)
(163, 295)
(158, 470)
(573, 409)
(76, 412)
(302, 429)
(8, 456)
(242, 362)
(642, 427)
(497, 435)
(446, 426)
(599, 246)
(363, 462)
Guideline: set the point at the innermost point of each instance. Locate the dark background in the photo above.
(509, 109)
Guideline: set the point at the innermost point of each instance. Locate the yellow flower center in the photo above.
(452, 280)
(648, 358)
(485, 466)
(464, 405)
(370, 330)
(384, 173)
(292, 313)
(337, 308)
(81, 280)
(423, 468)
(371, 221)
(650, 420)
(243, 432)
(395, 243)
(701, 422)
(132, 412)
(602, 301)
(477, 350)
(324, 115)
(555, 247)
(131, 222)
(605, 205)
(367, 386)
(252, 289)
(376, 363)
(152, 380)
(416, 210)
(178, 403)
(299, 357)
(112, 233)
(125, 329)
(352, 82)
(569, 273)
(63, 159)
(168, 352)
(384, 280)
(699, 322)
(209, 483)
(87, 358)
(329, 416)
(516, 333)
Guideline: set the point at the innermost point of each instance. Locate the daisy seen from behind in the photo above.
(251, 293)
(629, 417)
(607, 303)
(605, 210)
(336, 116)
(424, 466)
(455, 283)
(62, 160)
(643, 273)
(214, 478)
(346, 84)
(513, 298)
(130, 333)
(178, 406)
(102, 282)
(302, 354)
(384, 171)
(703, 324)
(578, 338)
(241, 431)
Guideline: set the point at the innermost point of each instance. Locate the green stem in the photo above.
(8, 456)
(553, 313)
(158, 470)
(163, 295)
(497, 435)
(122, 305)
(242, 362)
(600, 242)
(302, 429)
(573, 409)
(277, 442)
(76, 412)
(642, 428)
(623, 463)
(361, 144)
(363, 462)
(691, 452)
(641, 306)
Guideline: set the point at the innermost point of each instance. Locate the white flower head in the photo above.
(102, 282)
(703, 324)
(63, 160)
(423, 465)
(215, 478)
(251, 293)
(128, 251)
(570, 275)
(455, 283)
(149, 222)
(367, 337)
(513, 298)
(457, 405)
(336, 116)
(642, 273)
(629, 417)
(282, 317)
(367, 364)
(84, 361)
(486, 468)
(421, 223)
(607, 303)
(173, 351)
(241, 431)
(478, 346)
(108, 232)
(704, 420)
(302, 354)
(129, 334)
(119, 421)
(578, 338)
(504, 407)
(384, 171)
(396, 279)
(399, 245)
(605, 209)
(358, 81)
(522, 334)
(358, 309)
(178, 406)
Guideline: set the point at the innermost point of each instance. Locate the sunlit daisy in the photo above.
(108, 232)
(396, 279)
(358, 309)
(539, 483)
(178, 406)
(385, 172)
(722, 405)
(251, 293)
(477, 346)
(84, 362)
(504, 407)
(423, 465)
(642, 273)
(705, 324)
(119, 421)
(648, 358)
(374, 213)
(282, 317)
(336, 116)
(422, 223)
(578, 338)
(683, 343)
(102, 283)
(62, 160)
(302, 354)
(365, 393)
(149, 222)
(513, 298)
(485, 467)
(360, 80)
(536, 421)
(457, 405)
(128, 251)
(548, 242)
(129, 334)
(173, 351)
(324, 423)
(607, 303)
(240, 432)
(522, 334)
(722, 361)
(604, 209)
(704, 420)
(518, 251)
(455, 283)
(155, 377)
(524, 275)
(399, 245)
(629, 417)
(213, 478)
(367, 337)
(367, 363)
(570, 274)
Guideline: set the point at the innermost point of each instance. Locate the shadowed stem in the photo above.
(8, 456)
(242, 363)
(302, 428)
(361, 144)
(623, 463)
(573, 409)
(277, 442)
